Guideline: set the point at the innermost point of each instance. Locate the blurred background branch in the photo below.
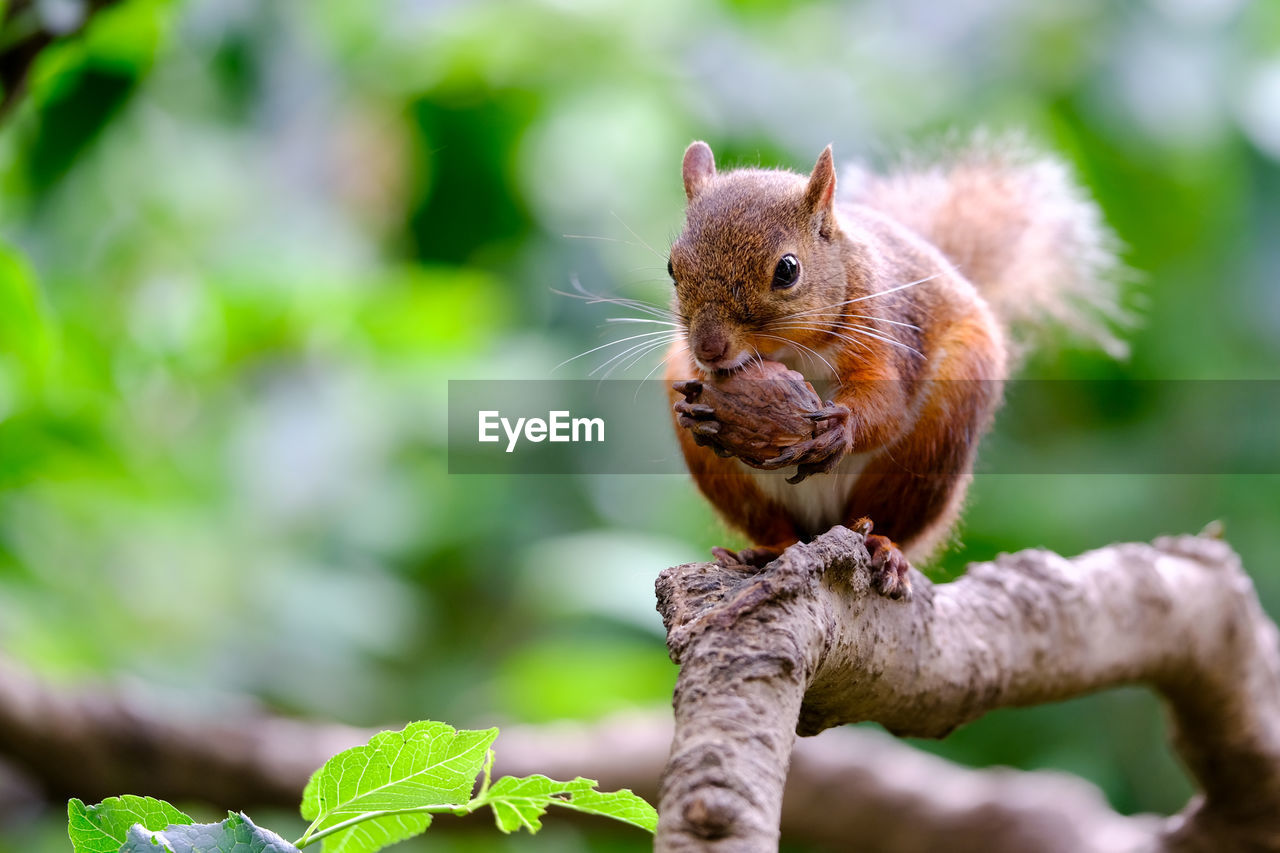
(848, 789)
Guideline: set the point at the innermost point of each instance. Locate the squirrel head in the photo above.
(759, 267)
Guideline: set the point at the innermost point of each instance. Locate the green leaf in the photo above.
(520, 803)
(23, 331)
(103, 828)
(427, 766)
(620, 805)
(236, 834)
(130, 34)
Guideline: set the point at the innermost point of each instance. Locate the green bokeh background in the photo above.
(244, 245)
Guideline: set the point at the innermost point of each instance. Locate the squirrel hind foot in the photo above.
(755, 557)
(890, 570)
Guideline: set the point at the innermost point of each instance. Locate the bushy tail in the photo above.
(1016, 224)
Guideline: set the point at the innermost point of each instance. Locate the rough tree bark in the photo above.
(806, 645)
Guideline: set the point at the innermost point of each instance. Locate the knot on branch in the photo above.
(696, 597)
(711, 813)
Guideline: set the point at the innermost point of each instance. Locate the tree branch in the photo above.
(806, 645)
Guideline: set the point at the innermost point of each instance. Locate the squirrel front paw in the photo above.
(822, 452)
(699, 418)
(754, 414)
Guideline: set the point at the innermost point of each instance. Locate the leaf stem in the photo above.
(436, 808)
(306, 836)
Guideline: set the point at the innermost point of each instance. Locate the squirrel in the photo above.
(906, 301)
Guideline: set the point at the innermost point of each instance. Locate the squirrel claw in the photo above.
(829, 411)
(782, 460)
(806, 470)
(890, 571)
(688, 387)
(700, 411)
(700, 420)
(704, 428)
(818, 455)
(703, 433)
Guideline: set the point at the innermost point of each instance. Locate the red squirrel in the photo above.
(897, 301)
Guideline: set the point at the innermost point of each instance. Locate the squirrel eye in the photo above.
(786, 273)
(670, 271)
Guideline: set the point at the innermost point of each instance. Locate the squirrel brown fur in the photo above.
(897, 304)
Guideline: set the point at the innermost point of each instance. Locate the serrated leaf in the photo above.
(425, 764)
(104, 828)
(620, 805)
(520, 803)
(236, 834)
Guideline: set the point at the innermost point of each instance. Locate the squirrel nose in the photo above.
(711, 347)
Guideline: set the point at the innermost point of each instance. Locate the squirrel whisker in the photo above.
(665, 359)
(659, 255)
(617, 359)
(894, 289)
(643, 320)
(849, 338)
(596, 298)
(642, 348)
(871, 333)
(858, 327)
(789, 342)
(866, 317)
(863, 298)
(643, 354)
(640, 245)
(862, 330)
(610, 344)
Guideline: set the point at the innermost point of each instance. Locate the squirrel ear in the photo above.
(820, 193)
(699, 168)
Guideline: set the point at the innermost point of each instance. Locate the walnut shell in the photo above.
(758, 411)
